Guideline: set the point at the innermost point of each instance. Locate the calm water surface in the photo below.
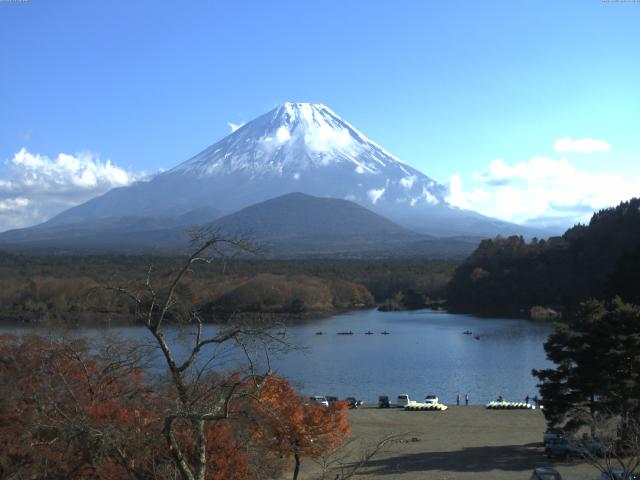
(424, 353)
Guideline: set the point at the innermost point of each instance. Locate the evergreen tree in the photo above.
(597, 371)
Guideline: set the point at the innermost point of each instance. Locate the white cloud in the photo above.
(407, 182)
(13, 204)
(581, 145)
(430, 199)
(282, 134)
(324, 138)
(425, 195)
(234, 126)
(375, 194)
(541, 191)
(36, 187)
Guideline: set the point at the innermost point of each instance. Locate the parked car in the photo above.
(331, 399)
(551, 434)
(319, 400)
(383, 401)
(563, 447)
(353, 403)
(593, 446)
(545, 473)
(431, 400)
(618, 474)
(403, 400)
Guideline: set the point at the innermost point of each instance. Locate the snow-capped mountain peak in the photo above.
(292, 137)
(296, 147)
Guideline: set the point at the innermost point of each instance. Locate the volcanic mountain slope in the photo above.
(293, 225)
(298, 147)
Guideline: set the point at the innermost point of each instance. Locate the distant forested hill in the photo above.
(598, 260)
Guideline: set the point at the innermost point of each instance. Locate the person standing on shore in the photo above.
(458, 399)
(466, 399)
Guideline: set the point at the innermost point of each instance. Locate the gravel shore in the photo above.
(460, 443)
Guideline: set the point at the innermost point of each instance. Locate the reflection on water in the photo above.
(425, 352)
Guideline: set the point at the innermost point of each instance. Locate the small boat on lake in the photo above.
(467, 332)
(477, 337)
(318, 333)
(384, 333)
(368, 333)
(346, 333)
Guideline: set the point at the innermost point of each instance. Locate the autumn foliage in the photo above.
(71, 410)
(296, 428)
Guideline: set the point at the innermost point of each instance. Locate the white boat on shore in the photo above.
(426, 407)
(502, 405)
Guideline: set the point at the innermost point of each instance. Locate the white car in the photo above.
(431, 400)
(403, 400)
(319, 400)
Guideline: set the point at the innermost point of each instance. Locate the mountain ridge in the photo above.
(294, 225)
(297, 147)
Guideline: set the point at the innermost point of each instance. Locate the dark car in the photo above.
(551, 435)
(383, 401)
(331, 399)
(563, 447)
(545, 473)
(353, 403)
(618, 474)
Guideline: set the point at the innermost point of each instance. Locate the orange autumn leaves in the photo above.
(71, 410)
(296, 424)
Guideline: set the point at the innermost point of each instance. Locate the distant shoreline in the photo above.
(108, 319)
(97, 319)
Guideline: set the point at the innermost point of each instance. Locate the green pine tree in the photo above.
(597, 372)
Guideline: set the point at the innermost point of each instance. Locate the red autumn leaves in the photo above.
(74, 411)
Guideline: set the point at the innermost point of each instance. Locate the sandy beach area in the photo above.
(462, 443)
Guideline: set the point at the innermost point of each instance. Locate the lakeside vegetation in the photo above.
(67, 288)
(510, 275)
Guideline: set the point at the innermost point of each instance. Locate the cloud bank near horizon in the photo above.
(34, 187)
(544, 191)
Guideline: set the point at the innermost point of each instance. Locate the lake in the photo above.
(424, 353)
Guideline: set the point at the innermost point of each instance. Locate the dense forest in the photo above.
(599, 260)
(71, 288)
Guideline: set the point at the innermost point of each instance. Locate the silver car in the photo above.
(545, 473)
(319, 400)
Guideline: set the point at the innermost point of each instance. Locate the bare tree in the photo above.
(354, 455)
(612, 445)
(202, 394)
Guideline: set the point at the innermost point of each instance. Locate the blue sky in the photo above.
(474, 94)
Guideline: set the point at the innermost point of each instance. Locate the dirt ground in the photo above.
(460, 443)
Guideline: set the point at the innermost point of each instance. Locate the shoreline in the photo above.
(109, 319)
(98, 319)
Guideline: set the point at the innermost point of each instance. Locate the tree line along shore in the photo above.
(543, 278)
(73, 289)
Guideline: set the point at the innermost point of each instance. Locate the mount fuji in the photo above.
(297, 147)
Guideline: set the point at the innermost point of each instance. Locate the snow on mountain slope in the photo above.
(298, 140)
(297, 147)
